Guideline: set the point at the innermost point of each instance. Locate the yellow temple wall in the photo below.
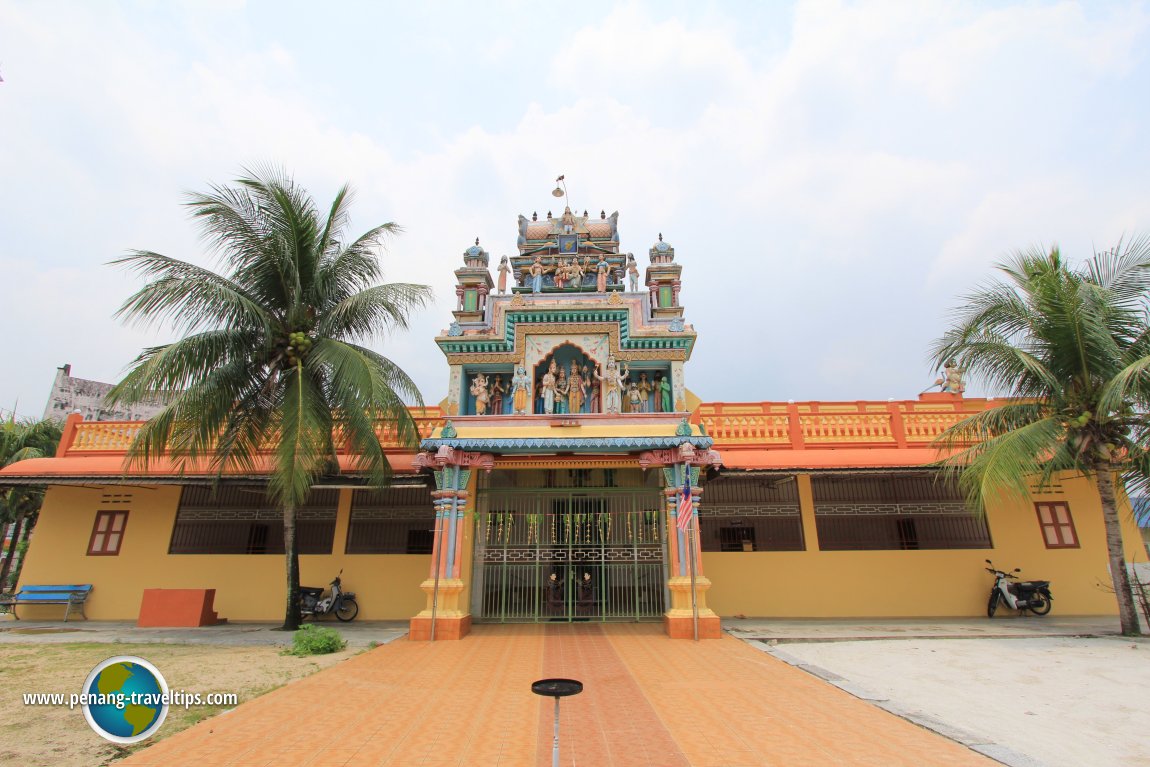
(249, 587)
(845, 584)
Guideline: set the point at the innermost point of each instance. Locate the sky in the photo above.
(834, 176)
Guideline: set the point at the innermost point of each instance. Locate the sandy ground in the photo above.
(48, 736)
(1062, 701)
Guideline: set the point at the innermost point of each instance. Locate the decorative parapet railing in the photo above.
(799, 425)
(114, 437)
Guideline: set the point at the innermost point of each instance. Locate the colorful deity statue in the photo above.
(520, 390)
(663, 393)
(561, 392)
(632, 274)
(952, 382)
(634, 398)
(593, 398)
(613, 381)
(548, 386)
(644, 386)
(481, 393)
(537, 271)
(601, 272)
(575, 274)
(560, 274)
(576, 390)
(504, 270)
(497, 392)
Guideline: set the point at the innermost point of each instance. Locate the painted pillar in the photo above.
(342, 522)
(679, 620)
(807, 510)
(444, 586)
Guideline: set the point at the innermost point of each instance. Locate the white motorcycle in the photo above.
(1034, 596)
(312, 601)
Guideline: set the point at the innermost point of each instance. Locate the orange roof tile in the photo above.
(112, 466)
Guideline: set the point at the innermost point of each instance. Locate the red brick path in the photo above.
(648, 701)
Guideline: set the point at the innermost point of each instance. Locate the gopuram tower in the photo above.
(562, 471)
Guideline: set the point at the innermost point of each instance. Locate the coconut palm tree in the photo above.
(19, 506)
(272, 350)
(1071, 347)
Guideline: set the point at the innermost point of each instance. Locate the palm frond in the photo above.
(305, 437)
(352, 269)
(190, 297)
(1124, 272)
(374, 311)
(162, 371)
(1132, 383)
(1006, 463)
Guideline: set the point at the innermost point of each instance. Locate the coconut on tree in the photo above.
(1070, 346)
(273, 352)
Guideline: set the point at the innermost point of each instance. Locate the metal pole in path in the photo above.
(555, 741)
(556, 688)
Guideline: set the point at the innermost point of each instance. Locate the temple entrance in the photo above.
(568, 545)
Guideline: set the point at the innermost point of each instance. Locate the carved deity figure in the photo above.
(613, 381)
(645, 389)
(537, 272)
(497, 392)
(568, 221)
(662, 393)
(601, 270)
(480, 392)
(575, 274)
(504, 270)
(520, 390)
(549, 389)
(632, 274)
(576, 390)
(561, 392)
(634, 398)
(593, 399)
(952, 380)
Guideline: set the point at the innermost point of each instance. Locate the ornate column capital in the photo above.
(685, 453)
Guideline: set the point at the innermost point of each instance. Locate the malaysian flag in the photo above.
(685, 508)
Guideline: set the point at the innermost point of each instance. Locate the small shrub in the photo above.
(315, 640)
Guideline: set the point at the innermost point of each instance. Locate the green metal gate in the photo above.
(569, 554)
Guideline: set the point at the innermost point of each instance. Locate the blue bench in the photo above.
(70, 595)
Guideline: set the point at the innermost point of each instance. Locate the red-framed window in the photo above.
(1057, 525)
(107, 533)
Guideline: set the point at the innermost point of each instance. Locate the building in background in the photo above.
(86, 397)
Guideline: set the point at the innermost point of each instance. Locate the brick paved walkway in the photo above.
(648, 701)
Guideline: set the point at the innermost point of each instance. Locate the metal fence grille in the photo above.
(567, 554)
(894, 512)
(395, 520)
(751, 514)
(241, 519)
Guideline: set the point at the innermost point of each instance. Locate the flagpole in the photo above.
(691, 563)
(688, 504)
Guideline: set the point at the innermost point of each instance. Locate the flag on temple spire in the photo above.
(686, 508)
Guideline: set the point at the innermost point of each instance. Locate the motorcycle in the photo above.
(342, 603)
(1034, 596)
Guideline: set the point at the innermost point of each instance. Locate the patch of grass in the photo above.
(315, 640)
